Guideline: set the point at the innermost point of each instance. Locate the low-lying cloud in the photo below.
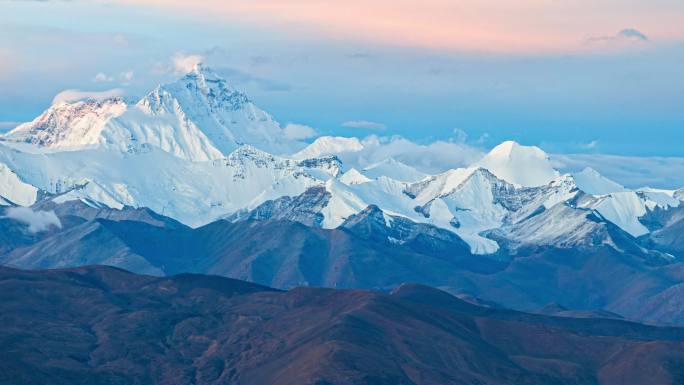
(430, 158)
(68, 96)
(630, 171)
(183, 63)
(37, 221)
(298, 131)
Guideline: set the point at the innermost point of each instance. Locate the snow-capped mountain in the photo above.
(329, 145)
(591, 182)
(197, 150)
(66, 125)
(519, 165)
(199, 118)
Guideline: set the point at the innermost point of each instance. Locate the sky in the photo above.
(590, 77)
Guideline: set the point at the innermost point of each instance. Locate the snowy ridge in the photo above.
(394, 169)
(74, 125)
(197, 150)
(329, 145)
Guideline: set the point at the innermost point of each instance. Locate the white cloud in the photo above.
(298, 131)
(431, 158)
(37, 221)
(439, 156)
(120, 39)
(102, 77)
(364, 124)
(482, 139)
(591, 145)
(460, 136)
(126, 76)
(184, 63)
(67, 96)
(631, 171)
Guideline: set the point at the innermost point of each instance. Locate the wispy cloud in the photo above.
(183, 63)
(477, 25)
(591, 145)
(126, 76)
(365, 124)
(102, 77)
(631, 171)
(299, 131)
(626, 36)
(37, 221)
(434, 157)
(74, 95)
(237, 76)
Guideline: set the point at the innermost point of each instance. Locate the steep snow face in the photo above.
(329, 145)
(438, 185)
(470, 209)
(623, 209)
(591, 182)
(347, 200)
(659, 198)
(394, 169)
(469, 202)
(67, 126)
(198, 118)
(527, 166)
(13, 190)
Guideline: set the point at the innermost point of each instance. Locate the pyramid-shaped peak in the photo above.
(512, 148)
(592, 182)
(200, 70)
(520, 165)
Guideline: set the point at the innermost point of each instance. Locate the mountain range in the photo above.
(102, 325)
(194, 177)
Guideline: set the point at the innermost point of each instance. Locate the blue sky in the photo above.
(584, 89)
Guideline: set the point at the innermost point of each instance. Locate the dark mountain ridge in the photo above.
(107, 326)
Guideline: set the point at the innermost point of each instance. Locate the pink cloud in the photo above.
(480, 25)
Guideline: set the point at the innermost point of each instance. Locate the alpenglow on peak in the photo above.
(198, 117)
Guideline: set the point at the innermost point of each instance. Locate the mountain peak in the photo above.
(329, 145)
(204, 74)
(69, 124)
(520, 165)
(512, 148)
(592, 182)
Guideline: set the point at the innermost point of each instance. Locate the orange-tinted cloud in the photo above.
(480, 25)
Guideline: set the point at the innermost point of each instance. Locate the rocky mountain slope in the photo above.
(107, 326)
(281, 244)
